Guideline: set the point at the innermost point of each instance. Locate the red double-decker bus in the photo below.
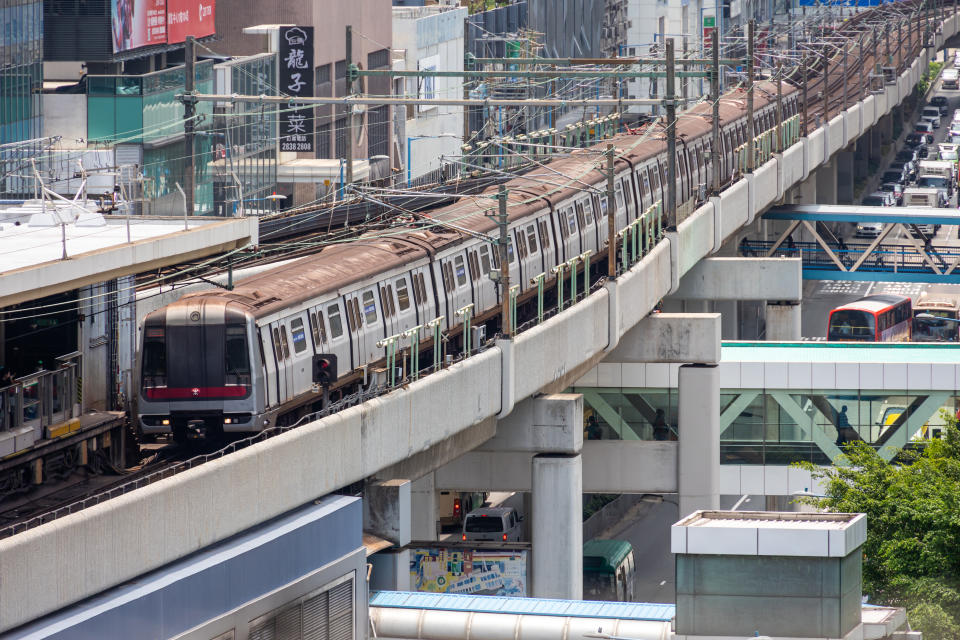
(879, 318)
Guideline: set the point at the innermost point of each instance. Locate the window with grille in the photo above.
(324, 615)
(378, 131)
(341, 136)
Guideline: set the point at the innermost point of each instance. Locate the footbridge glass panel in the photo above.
(785, 403)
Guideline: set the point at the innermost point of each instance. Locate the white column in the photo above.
(783, 321)
(557, 485)
(698, 416)
(423, 508)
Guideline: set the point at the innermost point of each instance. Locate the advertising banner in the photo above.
(190, 18)
(137, 23)
(296, 80)
(483, 572)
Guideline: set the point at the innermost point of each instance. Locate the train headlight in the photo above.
(228, 421)
(165, 422)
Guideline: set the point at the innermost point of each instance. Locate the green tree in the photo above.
(912, 554)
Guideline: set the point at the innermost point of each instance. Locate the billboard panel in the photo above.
(137, 23)
(296, 80)
(190, 18)
(481, 572)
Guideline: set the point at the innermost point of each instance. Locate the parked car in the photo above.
(906, 155)
(931, 115)
(894, 175)
(923, 152)
(941, 103)
(494, 524)
(879, 199)
(896, 189)
(913, 140)
(924, 127)
(904, 171)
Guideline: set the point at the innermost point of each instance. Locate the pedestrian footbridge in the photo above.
(905, 248)
(782, 403)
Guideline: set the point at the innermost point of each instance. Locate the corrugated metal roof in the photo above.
(523, 606)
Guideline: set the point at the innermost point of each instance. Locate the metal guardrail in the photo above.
(43, 398)
(885, 258)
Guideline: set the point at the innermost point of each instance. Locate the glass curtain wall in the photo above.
(21, 81)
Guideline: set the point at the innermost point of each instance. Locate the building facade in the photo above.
(429, 38)
(21, 78)
(372, 38)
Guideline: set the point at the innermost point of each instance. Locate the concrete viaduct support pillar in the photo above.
(557, 484)
(862, 157)
(845, 176)
(423, 508)
(827, 183)
(783, 321)
(698, 468)
(806, 191)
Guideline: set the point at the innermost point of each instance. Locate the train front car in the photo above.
(198, 374)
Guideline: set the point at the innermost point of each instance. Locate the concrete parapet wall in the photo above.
(80, 555)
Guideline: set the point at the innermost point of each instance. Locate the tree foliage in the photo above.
(912, 553)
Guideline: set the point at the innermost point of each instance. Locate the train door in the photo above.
(621, 213)
(532, 256)
(456, 284)
(406, 316)
(588, 226)
(269, 364)
(477, 277)
(300, 369)
(337, 336)
(281, 351)
(547, 247)
(354, 318)
(371, 322)
(422, 292)
(567, 220)
(656, 193)
(389, 306)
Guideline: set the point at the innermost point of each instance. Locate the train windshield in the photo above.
(196, 361)
(154, 357)
(852, 324)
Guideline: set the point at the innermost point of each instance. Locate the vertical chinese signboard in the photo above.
(709, 27)
(296, 81)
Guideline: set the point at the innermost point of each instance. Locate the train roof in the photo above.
(335, 267)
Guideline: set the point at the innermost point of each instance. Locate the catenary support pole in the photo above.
(671, 139)
(189, 110)
(751, 125)
(348, 134)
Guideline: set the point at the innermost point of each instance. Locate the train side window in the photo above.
(484, 259)
(336, 324)
(299, 335)
(532, 239)
(461, 271)
(629, 192)
(544, 235)
(571, 222)
(418, 289)
(283, 342)
(562, 217)
(521, 245)
(277, 348)
(369, 307)
(403, 294)
(579, 207)
(316, 325)
(390, 302)
(510, 254)
(618, 195)
(645, 187)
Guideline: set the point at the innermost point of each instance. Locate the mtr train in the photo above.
(243, 360)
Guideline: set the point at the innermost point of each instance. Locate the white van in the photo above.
(492, 524)
(951, 79)
(924, 127)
